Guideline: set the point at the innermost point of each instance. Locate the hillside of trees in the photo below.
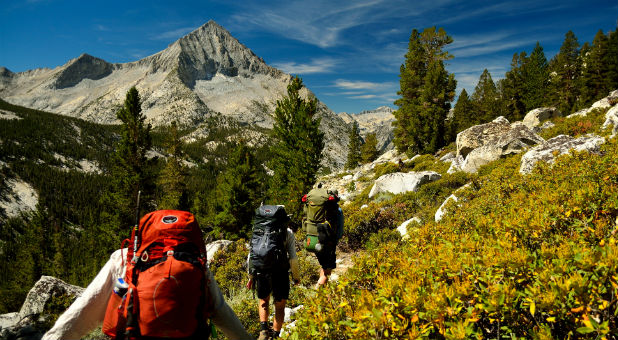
(83, 216)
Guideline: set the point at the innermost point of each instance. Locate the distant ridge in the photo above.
(205, 73)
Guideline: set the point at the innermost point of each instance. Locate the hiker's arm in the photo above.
(223, 316)
(88, 310)
(291, 247)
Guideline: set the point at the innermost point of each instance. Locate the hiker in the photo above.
(323, 224)
(171, 245)
(272, 255)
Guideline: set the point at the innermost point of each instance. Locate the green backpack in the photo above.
(321, 212)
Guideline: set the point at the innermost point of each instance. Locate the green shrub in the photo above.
(245, 305)
(228, 267)
(576, 126)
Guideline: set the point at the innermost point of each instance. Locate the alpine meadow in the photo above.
(486, 213)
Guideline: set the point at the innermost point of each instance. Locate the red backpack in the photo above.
(163, 293)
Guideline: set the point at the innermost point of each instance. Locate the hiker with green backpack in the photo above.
(272, 256)
(323, 225)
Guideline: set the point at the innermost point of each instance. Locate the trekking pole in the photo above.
(135, 229)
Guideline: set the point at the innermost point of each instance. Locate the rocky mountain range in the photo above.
(378, 121)
(206, 73)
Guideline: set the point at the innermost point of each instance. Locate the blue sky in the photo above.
(347, 52)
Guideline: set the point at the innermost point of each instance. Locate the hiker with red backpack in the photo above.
(158, 287)
(272, 256)
(323, 225)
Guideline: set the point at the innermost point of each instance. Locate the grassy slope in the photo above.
(522, 257)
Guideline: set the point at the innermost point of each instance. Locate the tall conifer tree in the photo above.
(369, 150)
(354, 143)
(595, 82)
(463, 114)
(239, 193)
(612, 59)
(131, 170)
(173, 176)
(512, 90)
(298, 150)
(565, 68)
(486, 99)
(535, 79)
(426, 90)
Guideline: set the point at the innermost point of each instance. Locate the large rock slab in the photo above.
(559, 145)
(609, 101)
(20, 325)
(611, 120)
(485, 143)
(214, 247)
(403, 228)
(535, 117)
(400, 182)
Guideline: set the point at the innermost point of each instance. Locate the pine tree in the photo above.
(486, 99)
(239, 193)
(354, 156)
(595, 82)
(173, 176)
(426, 90)
(298, 150)
(512, 90)
(535, 74)
(131, 172)
(369, 150)
(565, 68)
(463, 114)
(612, 59)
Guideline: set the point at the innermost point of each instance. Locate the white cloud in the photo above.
(173, 34)
(101, 28)
(323, 22)
(366, 90)
(361, 85)
(322, 65)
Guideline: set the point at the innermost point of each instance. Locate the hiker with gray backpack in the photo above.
(272, 256)
(323, 225)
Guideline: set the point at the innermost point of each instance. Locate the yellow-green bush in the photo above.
(577, 126)
(532, 257)
(360, 224)
(228, 267)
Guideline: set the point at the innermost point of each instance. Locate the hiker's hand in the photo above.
(250, 283)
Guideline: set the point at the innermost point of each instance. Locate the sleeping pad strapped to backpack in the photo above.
(164, 291)
(322, 220)
(268, 251)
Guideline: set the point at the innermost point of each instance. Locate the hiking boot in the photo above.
(264, 335)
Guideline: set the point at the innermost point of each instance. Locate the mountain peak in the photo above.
(82, 67)
(211, 50)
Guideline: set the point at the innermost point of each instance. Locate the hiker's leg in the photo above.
(324, 274)
(328, 261)
(263, 306)
(279, 314)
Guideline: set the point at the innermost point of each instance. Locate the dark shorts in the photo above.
(327, 258)
(277, 283)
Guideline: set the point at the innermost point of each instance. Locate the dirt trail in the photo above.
(344, 262)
